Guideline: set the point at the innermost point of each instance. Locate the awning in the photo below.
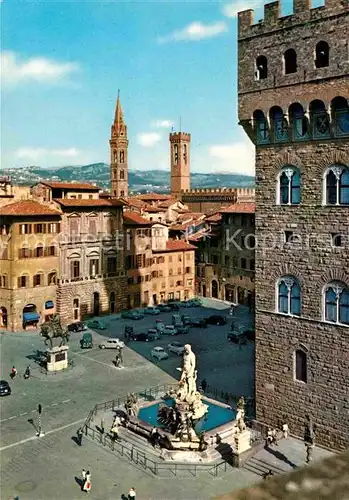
(31, 316)
(49, 304)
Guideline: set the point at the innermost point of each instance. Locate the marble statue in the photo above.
(240, 414)
(189, 375)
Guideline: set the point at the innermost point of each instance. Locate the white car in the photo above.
(152, 310)
(112, 344)
(176, 347)
(169, 330)
(159, 353)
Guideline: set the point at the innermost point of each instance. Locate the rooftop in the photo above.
(68, 202)
(177, 246)
(81, 186)
(134, 219)
(151, 209)
(27, 207)
(240, 208)
(153, 196)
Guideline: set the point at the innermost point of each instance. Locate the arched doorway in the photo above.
(3, 317)
(30, 316)
(96, 304)
(204, 290)
(214, 289)
(229, 293)
(112, 307)
(76, 309)
(241, 296)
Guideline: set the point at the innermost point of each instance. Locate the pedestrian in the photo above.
(83, 478)
(13, 373)
(132, 494)
(285, 430)
(269, 440)
(79, 433)
(87, 483)
(274, 435)
(27, 373)
(102, 425)
(204, 384)
(309, 450)
(268, 474)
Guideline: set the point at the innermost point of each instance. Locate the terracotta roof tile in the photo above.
(151, 209)
(134, 219)
(242, 208)
(167, 203)
(85, 186)
(177, 246)
(68, 202)
(214, 217)
(27, 207)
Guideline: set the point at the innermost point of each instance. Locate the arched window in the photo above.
(322, 55)
(122, 156)
(122, 175)
(185, 153)
(289, 296)
(299, 122)
(115, 156)
(279, 124)
(340, 116)
(261, 68)
(175, 152)
(261, 127)
(336, 303)
(300, 371)
(337, 185)
(289, 186)
(76, 309)
(290, 61)
(320, 121)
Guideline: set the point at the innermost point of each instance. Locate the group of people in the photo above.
(26, 373)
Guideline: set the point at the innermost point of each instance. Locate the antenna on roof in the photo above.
(118, 93)
(180, 124)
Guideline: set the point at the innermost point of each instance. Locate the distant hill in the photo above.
(139, 180)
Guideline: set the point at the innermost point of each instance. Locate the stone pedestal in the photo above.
(57, 358)
(242, 441)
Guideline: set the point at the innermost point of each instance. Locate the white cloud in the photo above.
(195, 31)
(148, 139)
(231, 9)
(163, 123)
(235, 158)
(37, 69)
(50, 157)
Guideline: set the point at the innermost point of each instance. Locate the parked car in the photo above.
(139, 337)
(86, 341)
(169, 330)
(5, 389)
(195, 302)
(132, 315)
(160, 325)
(97, 324)
(112, 343)
(153, 334)
(216, 319)
(77, 327)
(186, 319)
(152, 310)
(164, 308)
(186, 303)
(182, 330)
(174, 306)
(159, 353)
(177, 320)
(198, 322)
(176, 347)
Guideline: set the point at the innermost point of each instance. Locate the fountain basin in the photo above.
(218, 414)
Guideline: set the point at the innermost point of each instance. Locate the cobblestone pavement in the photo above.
(37, 468)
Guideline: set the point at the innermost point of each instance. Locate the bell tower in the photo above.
(119, 155)
(180, 163)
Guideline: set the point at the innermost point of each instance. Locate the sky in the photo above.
(174, 62)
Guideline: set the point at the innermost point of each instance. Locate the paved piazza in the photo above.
(49, 467)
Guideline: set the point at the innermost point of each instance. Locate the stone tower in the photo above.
(119, 155)
(293, 95)
(180, 162)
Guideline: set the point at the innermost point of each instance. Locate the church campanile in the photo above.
(119, 155)
(180, 163)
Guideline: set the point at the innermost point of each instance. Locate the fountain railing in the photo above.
(140, 457)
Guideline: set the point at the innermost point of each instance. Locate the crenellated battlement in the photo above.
(219, 191)
(179, 136)
(302, 13)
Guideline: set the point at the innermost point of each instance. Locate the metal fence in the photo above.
(140, 457)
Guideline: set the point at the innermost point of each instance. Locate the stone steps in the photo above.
(259, 467)
(139, 442)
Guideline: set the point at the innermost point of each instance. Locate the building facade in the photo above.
(29, 264)
(293, 104)
(180, 162)
(158, 269)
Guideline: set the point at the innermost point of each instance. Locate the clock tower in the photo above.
(119, 155)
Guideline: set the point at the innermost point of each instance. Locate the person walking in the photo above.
(132, 494)
(27, 373)
(87, 484)
(13, 373)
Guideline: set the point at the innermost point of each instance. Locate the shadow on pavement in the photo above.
(280, 456)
